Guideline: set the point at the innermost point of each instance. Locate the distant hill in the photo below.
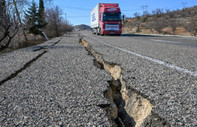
(181, 22)
(82, 27)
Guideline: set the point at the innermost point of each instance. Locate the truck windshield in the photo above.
(111, 17)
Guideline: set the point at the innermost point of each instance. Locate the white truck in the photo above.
(106, 19)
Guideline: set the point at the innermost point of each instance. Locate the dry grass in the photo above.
(23, 45)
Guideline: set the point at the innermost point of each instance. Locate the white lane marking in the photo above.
(173, 42)
(149, 58)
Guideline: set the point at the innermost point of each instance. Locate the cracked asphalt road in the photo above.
(61, 88)
(162, 68)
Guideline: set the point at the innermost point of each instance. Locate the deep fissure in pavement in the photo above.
(127, 108)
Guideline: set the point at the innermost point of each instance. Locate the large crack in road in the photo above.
(28, 64)
(23, 68)
(128, 107)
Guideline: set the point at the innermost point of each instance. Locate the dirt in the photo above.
(166, 30)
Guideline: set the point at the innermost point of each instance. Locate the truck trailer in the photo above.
(106, 19)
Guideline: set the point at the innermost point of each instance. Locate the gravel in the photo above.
(61, 88)
(15, 60)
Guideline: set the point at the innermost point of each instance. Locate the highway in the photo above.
(178, 51)
(52, 84)
(161, 68)
(81, 79)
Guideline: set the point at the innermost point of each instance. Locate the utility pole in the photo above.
(144, 8)
(184, 4)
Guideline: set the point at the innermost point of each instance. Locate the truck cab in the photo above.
(109, 19)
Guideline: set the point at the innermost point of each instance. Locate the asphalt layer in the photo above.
(14, 61)
(172, 91)
(57, 84)
(60, 88)
(11, 62)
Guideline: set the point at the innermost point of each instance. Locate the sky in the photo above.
(78, 11)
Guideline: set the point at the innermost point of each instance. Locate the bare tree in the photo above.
(192, 26)
(2, 9)
(173, 23)
(11, 21)
(3, 26)
(158, 24)
(137, 15)
(157, 12)
(54, 19)
(8, 25)
(137, 24)
(56, 24)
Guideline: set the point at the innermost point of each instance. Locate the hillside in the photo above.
(82, 27)
(179, 22)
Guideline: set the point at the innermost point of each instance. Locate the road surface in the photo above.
(161, 68)
(60, 86)
(58, 83)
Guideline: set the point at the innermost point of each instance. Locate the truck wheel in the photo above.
(97, 32)
(93, 31)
